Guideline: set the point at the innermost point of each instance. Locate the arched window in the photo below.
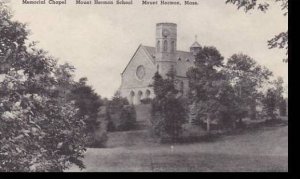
(158, 46)
(165, 46)
(172, 46)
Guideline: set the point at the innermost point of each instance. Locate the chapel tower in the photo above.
(166, 43)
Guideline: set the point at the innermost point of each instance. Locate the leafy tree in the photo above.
(210, 90)
(247, 78)
(118, 100)
(280, 40)
(127, 118)
(168, 112)
(88, 102)
(279, 90)
(278, 85)
(269, 105)
(283, 108)
(38, 132)
(122, 116)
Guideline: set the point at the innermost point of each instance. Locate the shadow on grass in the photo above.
(257, 127)
(215, 136)
(207, 138)
(145, 138)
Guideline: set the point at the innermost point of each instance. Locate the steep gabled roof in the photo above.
(147, 52)
(184, 60)
(151, 52)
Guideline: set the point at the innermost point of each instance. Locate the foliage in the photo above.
(122, 116)
(269, 105)
(117, 102)
(280, 40)
(146, 101)
(263, 6)
(210, 90)
(127, 118)
(88, 102)
(168, 112)
(279, 90)
(283, 108)
(40, 129)
(247, 78)
(280, 101)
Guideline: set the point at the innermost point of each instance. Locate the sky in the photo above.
(99, 40)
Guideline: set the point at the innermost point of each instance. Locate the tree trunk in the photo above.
(208, 123)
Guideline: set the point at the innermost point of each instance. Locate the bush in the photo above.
(146, 101)
(127, 118)
(168, 112)
(100, 136)
(168, 116)
(121, 115)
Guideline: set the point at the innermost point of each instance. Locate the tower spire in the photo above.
(196, 47)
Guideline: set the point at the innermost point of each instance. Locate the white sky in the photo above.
(100, 40)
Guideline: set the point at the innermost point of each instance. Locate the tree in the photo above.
(247, 78)
(209, 88)
(280, 40)
(122, 116)
(280, 101)
(168, 112)
(269, 105)
(279, 90)
(38, 132)
(88, 102)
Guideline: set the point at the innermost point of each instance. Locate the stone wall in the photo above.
(133, 88)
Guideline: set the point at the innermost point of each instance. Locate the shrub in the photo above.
(127, 118)
(168, 112)
(146, 101)
(121, 115)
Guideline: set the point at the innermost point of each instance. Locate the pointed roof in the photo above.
(195, 44)
(186, 59)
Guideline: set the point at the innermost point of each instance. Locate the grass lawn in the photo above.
(260, 150)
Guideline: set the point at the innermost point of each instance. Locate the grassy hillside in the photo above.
(264, 149)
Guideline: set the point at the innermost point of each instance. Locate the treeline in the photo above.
(219, 93)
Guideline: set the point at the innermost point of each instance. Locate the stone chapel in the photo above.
(138, 74)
